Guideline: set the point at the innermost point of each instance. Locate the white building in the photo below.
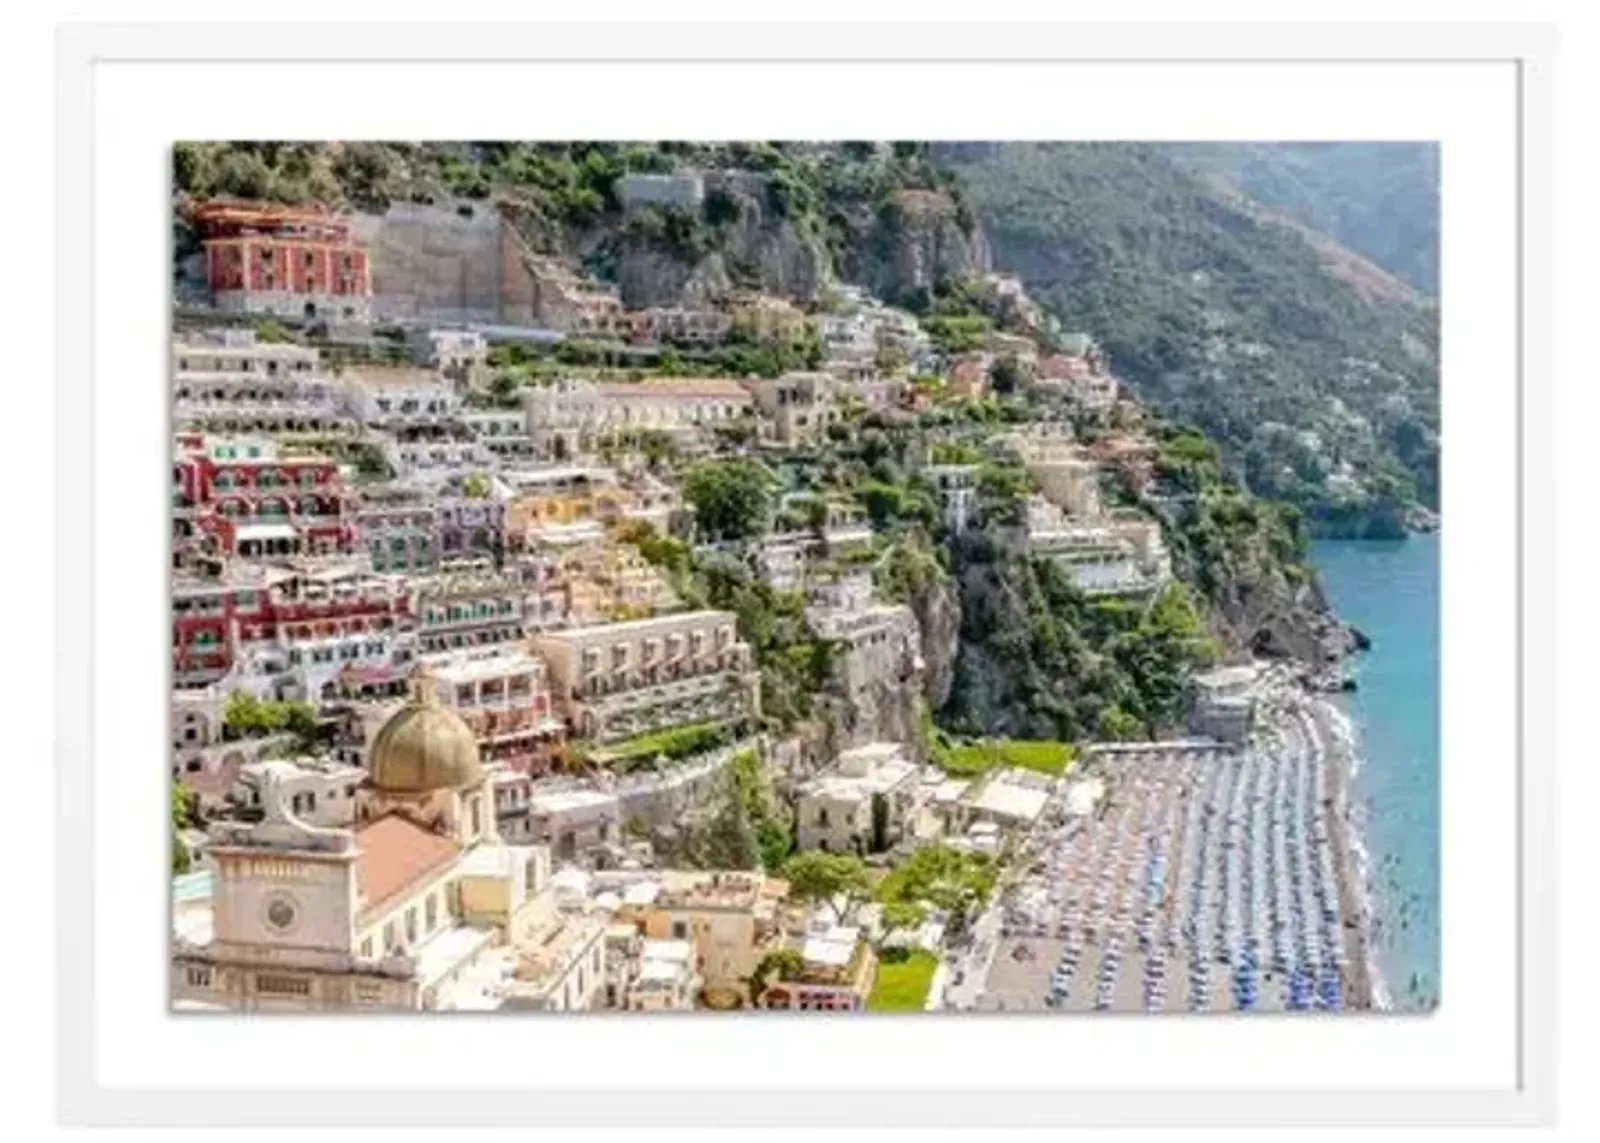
(574, 820)
(225, 381)
(1009, 798)
(881, 643)
(396, 397)
(863, 805)
(665, 979)
(320, 792)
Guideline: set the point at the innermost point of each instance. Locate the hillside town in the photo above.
(536, 652)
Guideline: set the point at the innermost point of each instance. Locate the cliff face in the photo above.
(752, 245)
(937, 606)
(879, 694)
(1258, 610)
(918, 239)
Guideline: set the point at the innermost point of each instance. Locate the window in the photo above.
(388, 937)
(366, 947)
(274, 985)
(431, 913)
(411, 925)
(198, 976)
(477, 823)
(680, 930)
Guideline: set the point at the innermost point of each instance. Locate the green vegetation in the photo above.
(363, 457)
(753, 794)
(1228, 320)
(833, 879)
(958, 334)
(1005, 375)
(904, 978)
(1379, 199)
(1040, 660)
(732, 499)
(969, 759)
(249, 717)
(674, 744)
(1220, 535)
(779, 964)
(955, 882)
(185, 815)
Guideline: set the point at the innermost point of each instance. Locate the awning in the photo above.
(267, 532)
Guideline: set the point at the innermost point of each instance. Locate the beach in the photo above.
(1210, 878)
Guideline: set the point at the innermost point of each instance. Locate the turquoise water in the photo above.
(1390, 590)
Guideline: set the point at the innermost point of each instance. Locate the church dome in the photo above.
(424, 746)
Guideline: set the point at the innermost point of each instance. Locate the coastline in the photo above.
(1366, 988)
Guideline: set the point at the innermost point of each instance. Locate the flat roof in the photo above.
(461, 670)
(660, 971)
(392, 376)
(558, 801)
(833, 948)
(883, 777)
(666, 950)
(679, 618)
(1012, 801)
(445, 951)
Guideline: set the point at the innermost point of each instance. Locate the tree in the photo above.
(779, 964)
(503, 388)
(247, 715)
(1005, 374)
(732, 498)
(183, 815)
(900, 916)
(837, 880)
(880, 823)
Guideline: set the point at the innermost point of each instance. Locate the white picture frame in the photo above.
(84, 1097)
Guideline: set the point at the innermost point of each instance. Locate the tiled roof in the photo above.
(396, 853)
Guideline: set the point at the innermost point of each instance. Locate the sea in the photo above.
(1389, 589)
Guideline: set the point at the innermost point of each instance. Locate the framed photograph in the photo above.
(827, 578)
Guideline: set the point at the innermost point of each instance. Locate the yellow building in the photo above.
(610, 583)
(730, 919)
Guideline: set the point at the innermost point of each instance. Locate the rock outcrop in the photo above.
(755, 246)
(937, 606)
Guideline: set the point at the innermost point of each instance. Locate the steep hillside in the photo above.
(1320, 393)
(1379, 199)
(785, 218)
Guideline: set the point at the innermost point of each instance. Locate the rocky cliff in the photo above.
(937, 605)
(917, 239)
(744, 240)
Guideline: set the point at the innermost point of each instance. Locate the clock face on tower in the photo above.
(280, 912)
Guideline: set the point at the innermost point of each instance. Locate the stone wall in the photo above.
(431, 263)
